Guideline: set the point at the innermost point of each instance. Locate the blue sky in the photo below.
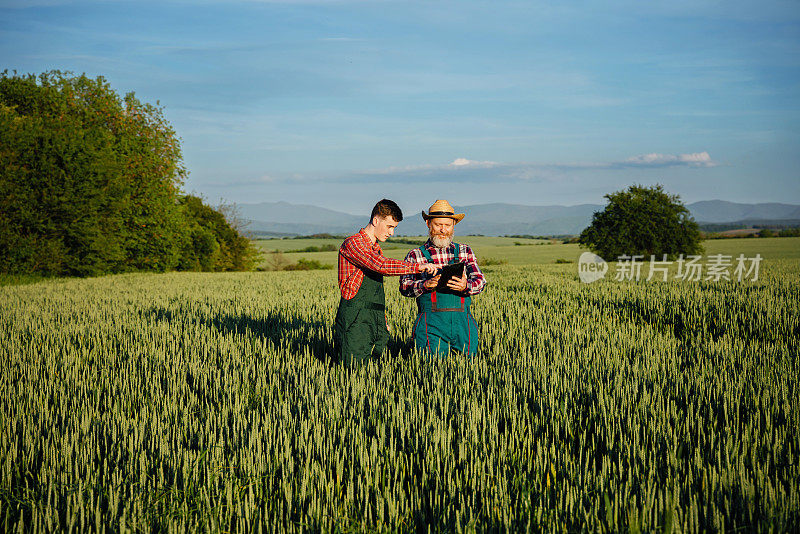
(340, 103)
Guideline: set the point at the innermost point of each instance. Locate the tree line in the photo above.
(90, 183)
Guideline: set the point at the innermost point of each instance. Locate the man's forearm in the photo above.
(411, 287)
(380, 264)
(475, 285)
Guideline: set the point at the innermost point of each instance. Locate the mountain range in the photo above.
(283, 218)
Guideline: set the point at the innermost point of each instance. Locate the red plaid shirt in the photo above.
(358, 253)
(411, 284)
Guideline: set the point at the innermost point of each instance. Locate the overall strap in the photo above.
(456, 254)
(426, 253)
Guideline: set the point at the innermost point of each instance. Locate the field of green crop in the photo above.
(517, 251)
(209, 402)
(511, 249)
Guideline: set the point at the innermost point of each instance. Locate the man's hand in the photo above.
(458, 284)
(428, 268)
(432, 283)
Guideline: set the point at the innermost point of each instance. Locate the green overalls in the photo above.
(444, 322)
(360, 327)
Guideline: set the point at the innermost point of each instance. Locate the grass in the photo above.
(772, 248)
(20, 279)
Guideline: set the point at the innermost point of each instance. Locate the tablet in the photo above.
(454, 270)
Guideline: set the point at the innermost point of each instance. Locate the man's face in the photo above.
(440, 230)
(384, 227)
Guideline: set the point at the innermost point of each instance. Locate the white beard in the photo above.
(441, 241)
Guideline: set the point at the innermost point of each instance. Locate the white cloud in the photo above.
(464, 162)
(696, 159)
(465, 170)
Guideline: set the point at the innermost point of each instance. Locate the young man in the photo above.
(444, 322)
(360, 329)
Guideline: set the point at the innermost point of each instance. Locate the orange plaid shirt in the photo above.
(358, 253)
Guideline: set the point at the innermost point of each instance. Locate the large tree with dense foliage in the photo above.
(89, 181)
(642, 221)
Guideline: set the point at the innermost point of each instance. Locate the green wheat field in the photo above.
(209, 402)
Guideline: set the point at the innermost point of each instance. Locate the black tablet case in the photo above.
(454, 270)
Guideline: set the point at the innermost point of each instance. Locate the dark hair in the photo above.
(387, 207)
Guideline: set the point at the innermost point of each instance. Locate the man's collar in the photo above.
(365, 235)
(367, 240)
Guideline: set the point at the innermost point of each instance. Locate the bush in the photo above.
(307, 265)
(485, 262)
(766, 232)
(210, 243)
(323, 248)
(277, 261)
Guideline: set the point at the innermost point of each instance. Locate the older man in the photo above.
(360, 329)
(444, 322)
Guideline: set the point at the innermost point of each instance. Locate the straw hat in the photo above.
(442, 208)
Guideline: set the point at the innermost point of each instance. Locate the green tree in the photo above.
(55, 168)
(642, 221)
(88, 180)
(211, 243)
(90, 184)
(152, 176)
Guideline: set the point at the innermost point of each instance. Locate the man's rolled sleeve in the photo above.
(476, 282)
(411, 285)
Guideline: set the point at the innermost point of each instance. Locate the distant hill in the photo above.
(507, 219)
(283, 218)
(720, 211)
